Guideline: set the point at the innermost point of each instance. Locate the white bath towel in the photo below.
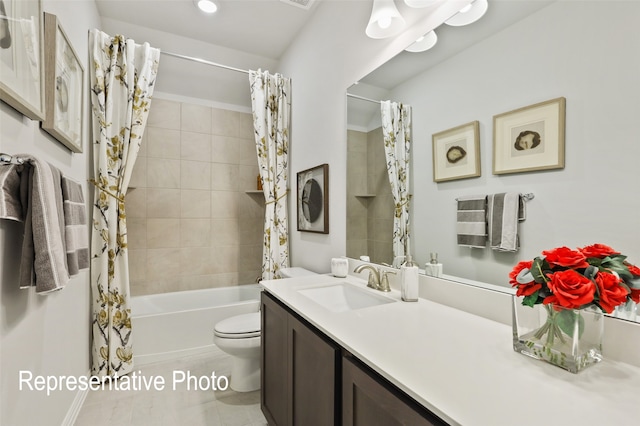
(471, 225)
(504, 211)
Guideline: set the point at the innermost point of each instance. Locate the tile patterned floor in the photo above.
(177, 407)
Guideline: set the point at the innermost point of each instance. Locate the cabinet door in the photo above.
(275, 392)
(367, 401)
(316, 390)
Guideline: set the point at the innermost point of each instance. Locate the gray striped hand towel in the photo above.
(75, 226)
(471, 225)
(504, 211)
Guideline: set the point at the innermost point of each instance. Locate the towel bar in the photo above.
(526, 197)
(10, 159)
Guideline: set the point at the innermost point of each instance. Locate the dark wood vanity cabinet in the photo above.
(299, 370)
(308, 379)
(367, 400)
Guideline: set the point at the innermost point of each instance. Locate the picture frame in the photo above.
(456, 153)
(313, 199)
(530, 138)
(64, 80)
(21, 57)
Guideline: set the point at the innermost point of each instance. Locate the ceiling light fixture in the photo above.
(207, 6)
(469, 14)
(385, 20)
(425, 42)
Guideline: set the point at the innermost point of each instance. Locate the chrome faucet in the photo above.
(378, 278)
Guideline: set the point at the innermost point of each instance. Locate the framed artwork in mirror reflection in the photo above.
(64, 80)
(313, 199)
(21, 63)
(456, 153)
(529, 138)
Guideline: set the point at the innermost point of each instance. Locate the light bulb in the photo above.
(469, 14)
(384, 22)
(207, 6)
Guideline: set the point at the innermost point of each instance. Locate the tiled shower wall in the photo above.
(191, 225)
(370, 205)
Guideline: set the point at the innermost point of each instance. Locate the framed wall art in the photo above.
(64, 78)
(529, 138)
(21, 63)
(456, 153)
(313, 199)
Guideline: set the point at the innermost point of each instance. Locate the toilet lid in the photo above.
(239, 326)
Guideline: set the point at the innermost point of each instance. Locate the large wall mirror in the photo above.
(520, 53)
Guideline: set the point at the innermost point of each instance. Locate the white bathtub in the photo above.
(172, 325)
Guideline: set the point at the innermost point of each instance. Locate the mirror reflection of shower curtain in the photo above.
(271, 103)
(396, 129)
(123, 77)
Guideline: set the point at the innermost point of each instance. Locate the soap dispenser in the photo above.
(433, 268)
(409, 280)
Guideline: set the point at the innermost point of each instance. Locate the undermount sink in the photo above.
(343, 297)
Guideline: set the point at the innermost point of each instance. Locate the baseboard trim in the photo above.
(76, 406)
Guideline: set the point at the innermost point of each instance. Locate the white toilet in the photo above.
(239, 336)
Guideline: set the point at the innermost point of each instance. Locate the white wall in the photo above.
(46, 335)
(585, 51)
(330, 54)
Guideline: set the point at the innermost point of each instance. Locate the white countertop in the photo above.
(463, 367)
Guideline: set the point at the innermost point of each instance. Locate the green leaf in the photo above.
(537, 267)
(530, 300)
(566, 318)
(595, 261)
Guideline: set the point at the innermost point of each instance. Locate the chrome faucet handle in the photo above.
(384, 280)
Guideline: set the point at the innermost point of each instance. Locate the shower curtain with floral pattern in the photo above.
(123, 76)
(270, 102)
(396, 128)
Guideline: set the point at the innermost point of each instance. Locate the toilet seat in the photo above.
(239, 327)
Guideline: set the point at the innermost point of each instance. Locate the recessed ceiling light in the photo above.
(207, 6)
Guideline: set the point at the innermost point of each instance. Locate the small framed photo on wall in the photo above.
(529, 138)
(313, 199)
(63, 86)
(456, 153)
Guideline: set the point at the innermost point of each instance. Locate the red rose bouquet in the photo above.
(593, 275)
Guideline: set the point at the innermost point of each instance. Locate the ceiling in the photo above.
(265, 29)
(260, 27)
(451, 40)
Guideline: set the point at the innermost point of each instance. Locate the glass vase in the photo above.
(568, 338)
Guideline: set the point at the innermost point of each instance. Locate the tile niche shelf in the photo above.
(364, 195)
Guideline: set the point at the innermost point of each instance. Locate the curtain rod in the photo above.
(362, 98)
(203, 61)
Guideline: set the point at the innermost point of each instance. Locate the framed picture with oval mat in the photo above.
(456, 153)
(313, 199)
